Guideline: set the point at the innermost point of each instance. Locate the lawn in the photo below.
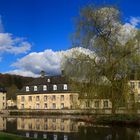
(5, 136)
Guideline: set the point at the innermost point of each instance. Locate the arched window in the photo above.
(48, 80)
(65, 86)
(44, 87)
(35, 88)
(54, 87)
(27, 88)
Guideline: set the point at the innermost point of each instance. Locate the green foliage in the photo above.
(5, 136)
(119, 119)
(115, 54)
(12, 83)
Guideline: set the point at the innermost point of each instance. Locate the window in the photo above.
(132, 84)
(65, 86)
(27, 88)
(27, 134)
(3, 97)
(97, 104)
(35, 135)
(62, 127)
(44, 87)
(45, 106)
(53, 106)
(48, 80)
(30, 98)
(53, 120)
(87, 104)
(71, 97)
(53, 97)
(37, 126)
(45, 126)
(139, 84)
(22, 106)
(62, 105)
(62, 97)
(45, 98)
(105, 104)
(22, 98)
(54, 127)
(30, 126)
(22, 126)
(35, 88)
(38, 106)
(54, 87)
(55, 137)
(44, 136)
(65, 137)
(37, 98)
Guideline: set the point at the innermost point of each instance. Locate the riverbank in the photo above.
(6, 136)
(91, 116)
(123, 119)
(33, 112)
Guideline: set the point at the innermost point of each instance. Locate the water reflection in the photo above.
(47, 125)
(61, 128)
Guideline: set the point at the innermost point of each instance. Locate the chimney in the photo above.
(62, 72)
(42, 73)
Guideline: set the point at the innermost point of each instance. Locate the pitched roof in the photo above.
(53, 80)
(44, 80)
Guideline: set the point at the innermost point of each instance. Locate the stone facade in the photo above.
(95, 104)
(135, 90)
(2, 98)
(47, 101)
(49, 92)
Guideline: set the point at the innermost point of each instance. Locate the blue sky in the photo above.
(46, 24)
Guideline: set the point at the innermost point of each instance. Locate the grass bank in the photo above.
(6, 136)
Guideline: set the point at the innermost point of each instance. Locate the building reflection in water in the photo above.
(2, 123)
(66, 129)
(47, 125)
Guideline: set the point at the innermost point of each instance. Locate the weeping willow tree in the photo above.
(113, 53)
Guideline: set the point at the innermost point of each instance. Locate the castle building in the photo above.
(47, 92)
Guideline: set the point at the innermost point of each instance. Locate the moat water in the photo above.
(65, 128)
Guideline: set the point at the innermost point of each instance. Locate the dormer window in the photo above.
(44, 87)
(27, 88)
(65, 86)
(35, 88)
(54, 87)
(48, 80)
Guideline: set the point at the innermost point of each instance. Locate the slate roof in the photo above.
(54, 80)
(2, 90)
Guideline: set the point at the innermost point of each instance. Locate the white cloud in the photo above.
(48, 60)
(9, 44)
(135, 21)
(23, 73)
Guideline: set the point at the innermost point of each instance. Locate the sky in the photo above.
(35, 33)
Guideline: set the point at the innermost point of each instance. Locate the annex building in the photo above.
(2, 98)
